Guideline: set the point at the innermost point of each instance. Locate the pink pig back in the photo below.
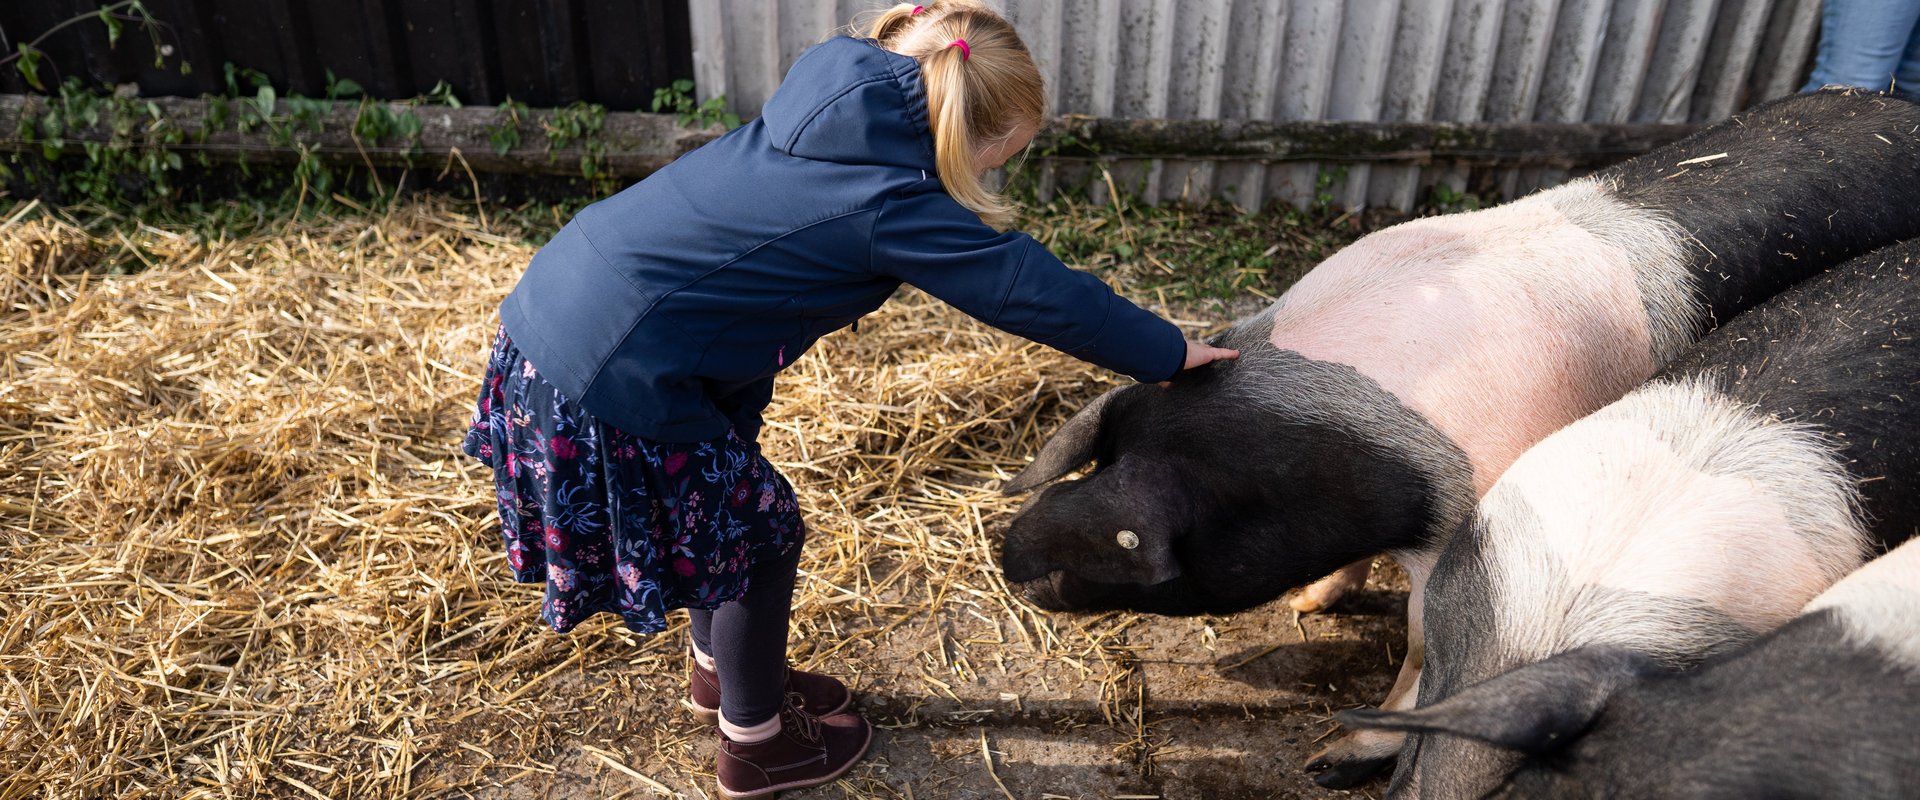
(1503, 325)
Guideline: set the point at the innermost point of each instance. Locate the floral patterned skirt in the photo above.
(613, 522)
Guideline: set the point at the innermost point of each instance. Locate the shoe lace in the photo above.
(797, 721)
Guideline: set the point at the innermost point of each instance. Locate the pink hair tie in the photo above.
(916, 11)
(966, 53)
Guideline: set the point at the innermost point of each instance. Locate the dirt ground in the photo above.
(966, 706)
(1210, 707)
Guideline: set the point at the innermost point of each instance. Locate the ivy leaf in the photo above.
(264, 99)
(29, 66)
(342, 87)
(113, 25)
(442, 93)
(406, 124)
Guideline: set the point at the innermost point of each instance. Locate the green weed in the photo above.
(677, 99)
(504, 132)
(1211, 252)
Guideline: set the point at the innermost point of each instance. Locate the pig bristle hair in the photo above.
(1667, 504)
(1880, 603)
(1654, 245)
(1324, 393)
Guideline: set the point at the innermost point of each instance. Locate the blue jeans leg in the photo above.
(1907, 79)
(1867, 43)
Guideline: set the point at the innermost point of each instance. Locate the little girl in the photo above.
(624, 390)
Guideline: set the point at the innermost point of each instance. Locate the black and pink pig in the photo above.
(1385, 392)
(1702, 509)
(1828, 705)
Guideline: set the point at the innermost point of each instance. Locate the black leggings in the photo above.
(748, 641)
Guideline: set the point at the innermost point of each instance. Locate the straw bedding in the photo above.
(242, 555)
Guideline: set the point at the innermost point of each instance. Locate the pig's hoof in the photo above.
(1311, 602)
(1348, 763)
(1322, 594)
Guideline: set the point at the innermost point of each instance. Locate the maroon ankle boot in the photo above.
(824, 695)
(808, 751)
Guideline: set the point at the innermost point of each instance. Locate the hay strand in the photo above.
(243, 556)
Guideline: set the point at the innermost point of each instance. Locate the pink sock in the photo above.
(750, 734)
(705, 661)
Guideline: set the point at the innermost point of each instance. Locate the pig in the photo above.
(1699, 511)
(1828, 705)
(1383, 393)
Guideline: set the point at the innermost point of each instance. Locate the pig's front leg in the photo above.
(1322, 594)
(1360, 755)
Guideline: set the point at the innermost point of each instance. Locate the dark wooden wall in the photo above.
(540, 52)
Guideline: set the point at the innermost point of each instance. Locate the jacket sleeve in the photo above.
(1008, 280)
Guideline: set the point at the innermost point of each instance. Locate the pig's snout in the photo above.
(1022, 560)
(1024, 569)
(1046, 592)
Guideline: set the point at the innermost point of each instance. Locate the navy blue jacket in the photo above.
(666, 309)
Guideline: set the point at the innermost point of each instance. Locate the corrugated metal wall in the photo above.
(541, 52)
(1386, 60)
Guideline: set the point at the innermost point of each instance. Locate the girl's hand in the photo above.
(1201, 353)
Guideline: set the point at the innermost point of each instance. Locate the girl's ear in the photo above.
(995, 154)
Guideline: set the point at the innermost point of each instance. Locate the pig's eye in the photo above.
(1127, 539)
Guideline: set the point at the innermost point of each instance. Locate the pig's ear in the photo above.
(1070, 447)
(1534, 709)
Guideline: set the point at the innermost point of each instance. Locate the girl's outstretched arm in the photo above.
(1201, 354)
(1010, 281)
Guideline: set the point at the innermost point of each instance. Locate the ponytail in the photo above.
(890, 22)
(954, 145)
(981, 83)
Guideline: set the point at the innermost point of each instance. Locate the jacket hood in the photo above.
(851, 101)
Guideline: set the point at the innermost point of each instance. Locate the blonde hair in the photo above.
(977, 96)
